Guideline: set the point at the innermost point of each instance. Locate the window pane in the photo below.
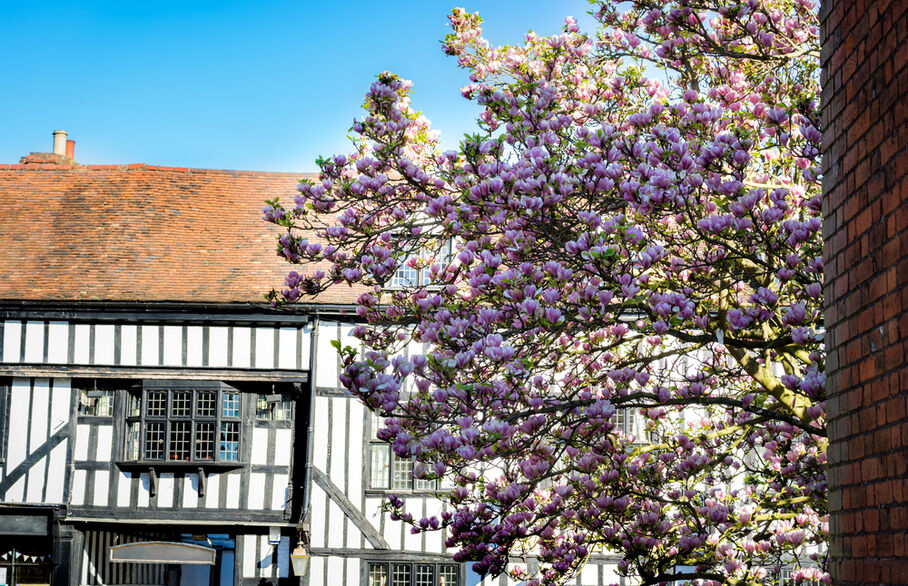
(135, 405)
(420, 484)
(404, 276)
(157, 404)
(132, 440)
(273, 410)
(283, 410)
(154, 440)
(205, 404)
(425, 575)
(96, 402)
(181, 404)
(377, 422)
(447, 575)
(230, 405)
(230, 441)
(204, 440)
(400, 575)
(180, 440)
(381, 461)
(262, 408)
(378, 575)
(403, 474)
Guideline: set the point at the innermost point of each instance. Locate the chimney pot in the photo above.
(71, 149)
(60, 142)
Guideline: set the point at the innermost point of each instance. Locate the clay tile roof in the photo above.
(140, 233)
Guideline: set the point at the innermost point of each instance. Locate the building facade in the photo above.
(160, 424)
(865, 204)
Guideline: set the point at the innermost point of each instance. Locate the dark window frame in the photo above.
(174, 425)
(412, 572)
(444, 253)
(415, 486)
(95, 389)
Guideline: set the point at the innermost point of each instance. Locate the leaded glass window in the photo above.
(183, 423)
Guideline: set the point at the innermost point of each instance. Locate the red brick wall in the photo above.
(865, 101)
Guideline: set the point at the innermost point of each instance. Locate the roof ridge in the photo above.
(147, 167)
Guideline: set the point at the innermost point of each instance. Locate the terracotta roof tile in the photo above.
(140, 233)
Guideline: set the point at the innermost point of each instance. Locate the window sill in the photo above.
(409, 492)
(176, 465)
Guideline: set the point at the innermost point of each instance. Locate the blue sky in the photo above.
(265, 85)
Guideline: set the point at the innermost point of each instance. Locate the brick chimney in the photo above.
(63, 153)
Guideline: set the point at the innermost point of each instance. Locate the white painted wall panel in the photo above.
(34, 492)
(104, 343)
(433, 541)
(12, 338)
(101, 489)
(334, 570)
(259, 446)
(256, 491)
(336, 521)
(78, 492)
(354, 535)
(212, 491)
(144, 490)
(264, 348)
(249, 555)
(16, 493)
(82, 344)
(173, 345)
(317, 572)
(124, 494)
(57, 342)
(327, 367)
(391, 532)
(265, 563)
(128, 342)
(353, 571)
(19, 406)
(194, 346)
(283, 445)
(34, 341)
(589, 574)
(82, 434)
(305, 349)
(59, 404)
(242, 344)
(319, 433)
(338, 440)
(105, 443)
(37, 432)
(56, 473)
(150, 345)
(217, 346)
(355, 438)
(191, 491)
(349, 339)
(318, 515)
(287, 348)
(412, 542)
(165, 489)
(279, 491)
(610, 574)
(233, 490)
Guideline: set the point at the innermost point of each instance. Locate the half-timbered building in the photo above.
(159, 423)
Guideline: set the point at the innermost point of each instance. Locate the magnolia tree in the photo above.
(632, 236)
